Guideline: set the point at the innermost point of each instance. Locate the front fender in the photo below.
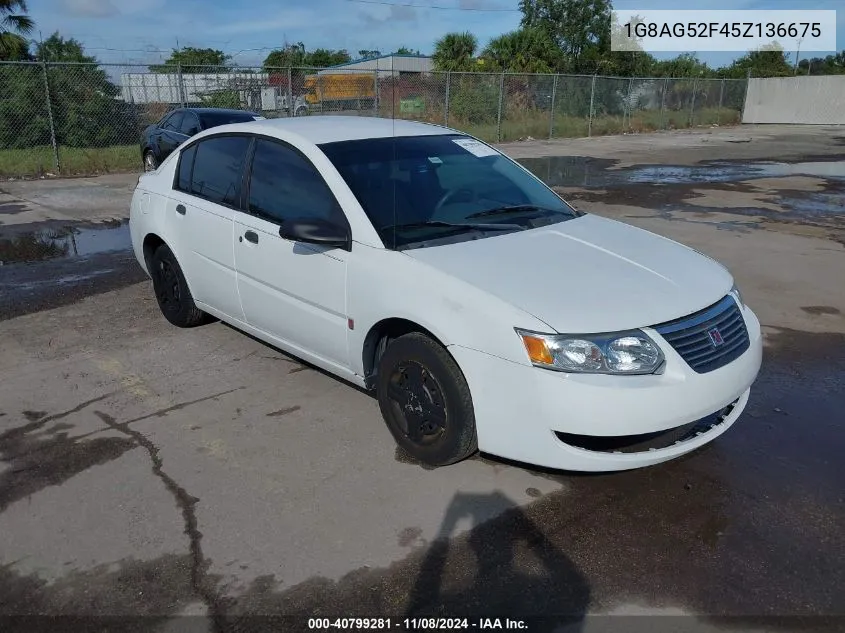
(452, 310)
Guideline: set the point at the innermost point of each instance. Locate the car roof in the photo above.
(219, 111)
(333, 128)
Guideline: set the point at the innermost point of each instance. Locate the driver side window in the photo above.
(283, 185)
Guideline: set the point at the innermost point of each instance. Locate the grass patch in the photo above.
(536, 123)
(74, 161)
(516, 125)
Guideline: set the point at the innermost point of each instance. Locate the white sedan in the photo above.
(483, 310)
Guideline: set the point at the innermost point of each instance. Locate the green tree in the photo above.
(58, 49)
(323, 58)
(828, 65)
(192, 60)
(83, 101)
(769, 61)
(684, 65)
(622, 63)
(455, 51)
(14, 25)
(295, 56)
(368, 54)
(581, 28)
(526, 50)
(222, 99)
(14, 48)
(290, 55)
(404, 50)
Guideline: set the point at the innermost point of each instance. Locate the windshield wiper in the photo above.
(511, 209)
(462, 225)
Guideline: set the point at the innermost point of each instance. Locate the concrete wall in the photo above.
(817, 100)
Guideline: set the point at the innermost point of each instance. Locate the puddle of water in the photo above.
(10, 208)
(64, 242)
(581, 171)
(815, 204)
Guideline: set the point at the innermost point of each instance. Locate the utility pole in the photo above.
(797, 52)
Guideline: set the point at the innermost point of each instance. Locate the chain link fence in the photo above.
(68, 119)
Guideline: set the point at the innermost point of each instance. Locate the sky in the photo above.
(145, 31)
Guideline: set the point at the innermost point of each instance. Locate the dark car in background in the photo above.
(160, 139)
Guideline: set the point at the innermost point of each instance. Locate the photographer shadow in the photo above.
(504, 568)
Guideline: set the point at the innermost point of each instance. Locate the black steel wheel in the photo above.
(425, 401)
(171, 290)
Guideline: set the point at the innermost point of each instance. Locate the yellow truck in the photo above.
(341, 91)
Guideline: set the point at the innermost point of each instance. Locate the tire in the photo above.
(301, 111)
(425, 401)
(150, 162)
(171, 290)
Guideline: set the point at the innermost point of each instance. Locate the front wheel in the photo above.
(425, 401)
(171, 289)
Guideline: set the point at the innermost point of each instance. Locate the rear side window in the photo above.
(186, 163)
(217, 169)
(213, 119)
(190, 124)
(285, 185)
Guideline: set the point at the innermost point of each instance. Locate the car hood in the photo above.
(586, 275)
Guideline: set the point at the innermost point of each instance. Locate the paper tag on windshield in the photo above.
(476, 148)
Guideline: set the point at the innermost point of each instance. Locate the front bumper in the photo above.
(521, 409)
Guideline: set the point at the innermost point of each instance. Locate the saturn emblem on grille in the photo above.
(715, 336)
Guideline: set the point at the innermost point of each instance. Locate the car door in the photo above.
(206, 192)
(293, 291)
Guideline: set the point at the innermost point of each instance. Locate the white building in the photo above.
(386, 65)
(190, 88)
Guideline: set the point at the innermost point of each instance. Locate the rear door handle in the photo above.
(251, 236)
(180, 209)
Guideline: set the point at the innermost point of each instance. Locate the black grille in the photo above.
(648, 441)
(695, 339)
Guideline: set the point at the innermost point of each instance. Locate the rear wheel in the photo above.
(425, 401)
(171, 289)
(150, 162)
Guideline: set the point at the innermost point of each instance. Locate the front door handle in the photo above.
(180, 209)
(251, 236)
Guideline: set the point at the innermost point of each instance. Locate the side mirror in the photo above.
(315, 231)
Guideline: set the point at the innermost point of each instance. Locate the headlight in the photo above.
(736, 293)
(619, 353)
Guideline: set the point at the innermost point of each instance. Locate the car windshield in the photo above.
(213, 119)
(428, 190)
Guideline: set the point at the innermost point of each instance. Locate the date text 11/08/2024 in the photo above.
(416, 624)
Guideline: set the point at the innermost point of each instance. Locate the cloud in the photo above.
(108, 8)
(286, 22)
(89, 8)
(397, 13)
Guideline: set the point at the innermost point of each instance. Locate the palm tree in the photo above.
(526, 50)
(454, 51)
(14, 24)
